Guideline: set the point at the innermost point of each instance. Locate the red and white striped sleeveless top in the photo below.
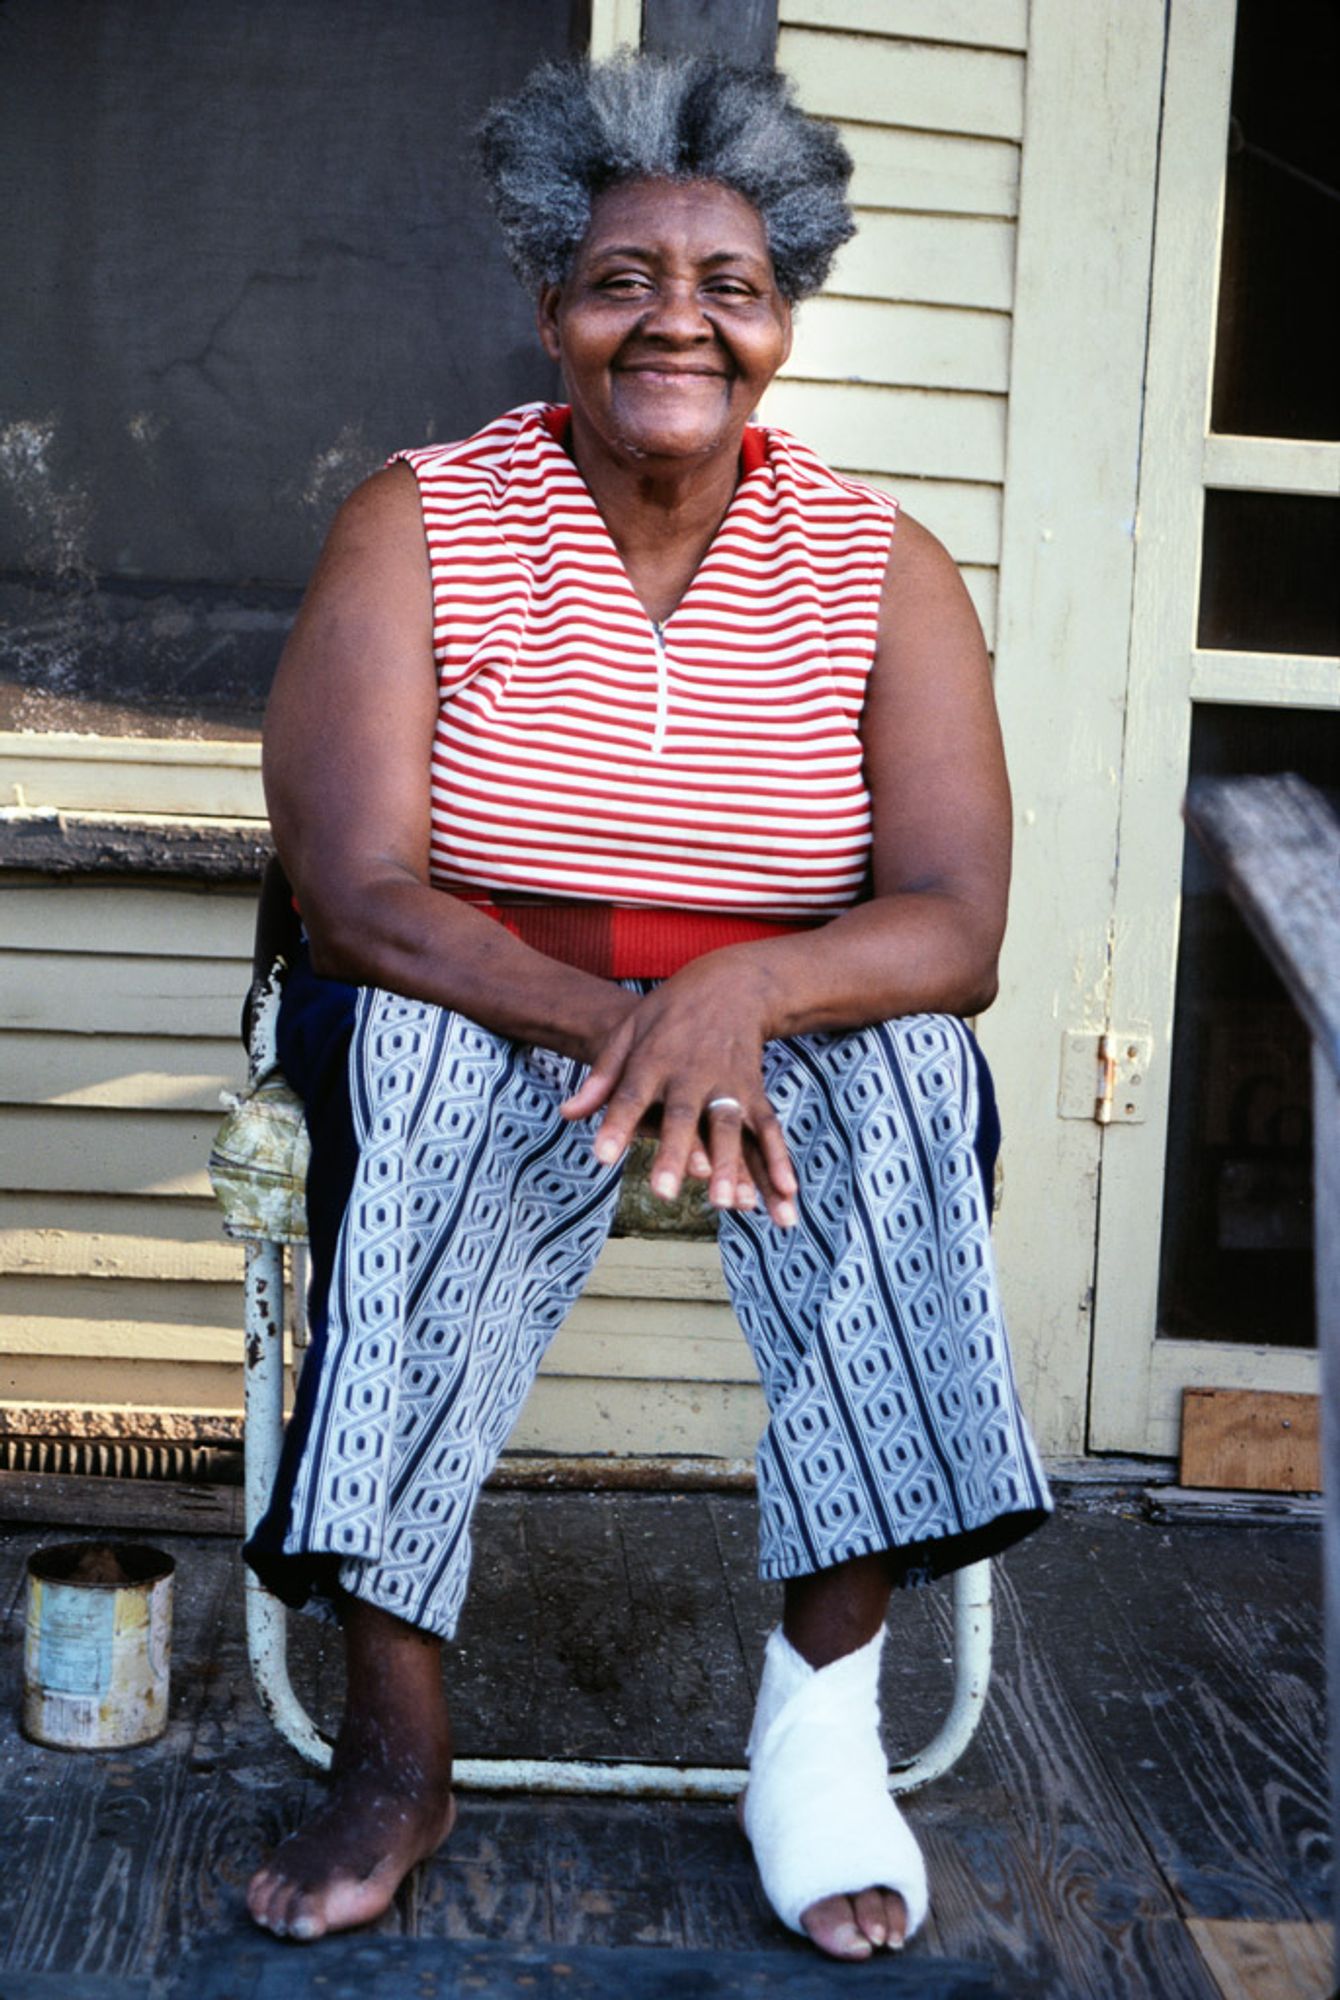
(713, 763)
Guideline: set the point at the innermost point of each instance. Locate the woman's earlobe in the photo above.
(546, 321)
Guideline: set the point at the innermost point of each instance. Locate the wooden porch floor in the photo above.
(1143, 1812)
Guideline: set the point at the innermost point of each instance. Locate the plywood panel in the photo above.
(91, 1152)
(906, 83)
(100, 993)
(944, 260)
(124, 1072)
(931, 172)
(996, 24)
(1259, 1961)
(933, 347)
(185, 923)
(893, 431)
(1251, 1440)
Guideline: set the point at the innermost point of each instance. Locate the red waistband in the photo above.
(619, 943)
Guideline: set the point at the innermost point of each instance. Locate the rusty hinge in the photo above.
(1103, 1076)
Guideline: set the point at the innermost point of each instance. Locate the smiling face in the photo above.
(669, 326)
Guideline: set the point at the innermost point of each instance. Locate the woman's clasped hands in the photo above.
(685, 1064)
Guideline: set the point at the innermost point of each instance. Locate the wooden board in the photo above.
(895, 431)
(1267, 1961)
(1251, 1440)
(120, 1072)
(872, 340)
(993, 24)
(176, 922)
(932, 173)
(93, 992)
(937, 260)
(883, 81)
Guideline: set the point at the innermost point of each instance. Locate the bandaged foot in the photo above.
(817, 1809)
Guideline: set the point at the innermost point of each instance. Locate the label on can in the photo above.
(76, 1639)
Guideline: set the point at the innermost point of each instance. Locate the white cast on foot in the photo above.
(817, 1810)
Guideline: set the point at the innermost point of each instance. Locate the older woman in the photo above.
(633, 773)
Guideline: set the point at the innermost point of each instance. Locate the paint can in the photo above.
(97, 1645)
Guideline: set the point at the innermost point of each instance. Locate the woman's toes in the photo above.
(881, 1916)
(831, 1924)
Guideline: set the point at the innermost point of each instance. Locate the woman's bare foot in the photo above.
(390, 1804)
(851, 1926)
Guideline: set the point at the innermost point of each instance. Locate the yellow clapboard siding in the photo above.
(127, 1384)
(715, 1420)
(932, 173)
(122, 1072)
(891, 431)
(112, 1314)
(993, 24)
(35, 1250)
(984, 590)
(604, 1339)
(966, 518)
(917, 85)
(650, 1267)
(172, 1223)
(931, 347)
(103, 1152)
(132, 775)
(133, 922)
(929, 260)
(102, 993)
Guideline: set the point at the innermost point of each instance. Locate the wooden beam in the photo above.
(743, 30)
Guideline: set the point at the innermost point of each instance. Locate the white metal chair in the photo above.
(258, 1167)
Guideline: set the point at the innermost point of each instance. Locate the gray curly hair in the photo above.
(576, 128)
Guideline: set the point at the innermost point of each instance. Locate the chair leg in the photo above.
(267, 1618)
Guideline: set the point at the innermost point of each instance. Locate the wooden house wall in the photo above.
(117, 1293)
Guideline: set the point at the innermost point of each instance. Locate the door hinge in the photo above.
(1103, 1076)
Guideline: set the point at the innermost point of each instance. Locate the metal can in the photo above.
(97, 1645)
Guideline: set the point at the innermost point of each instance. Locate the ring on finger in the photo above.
(724, 1103)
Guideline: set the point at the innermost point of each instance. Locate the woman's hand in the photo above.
(687, 1063)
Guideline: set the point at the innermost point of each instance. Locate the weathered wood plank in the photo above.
(119, 1072)
(1249, 1438)
(180, 1222)
(1266, 1961)
(1199, 1682)
(882, 81)
(132, 922)
(928, 260)
(49, 1251)
(992, 24)
(931, 173)
(575, 1414)
(894, 431)
(209, 787)
(99, 993)
(107, 1152)
(1278, 843)
(929, 347)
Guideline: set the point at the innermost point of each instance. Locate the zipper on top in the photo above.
(662, 689)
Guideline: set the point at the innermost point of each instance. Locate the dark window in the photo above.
(246, 257)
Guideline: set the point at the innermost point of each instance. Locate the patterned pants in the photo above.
(475, 1216)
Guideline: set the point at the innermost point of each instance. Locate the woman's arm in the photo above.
(925, 942)
(348, 737)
